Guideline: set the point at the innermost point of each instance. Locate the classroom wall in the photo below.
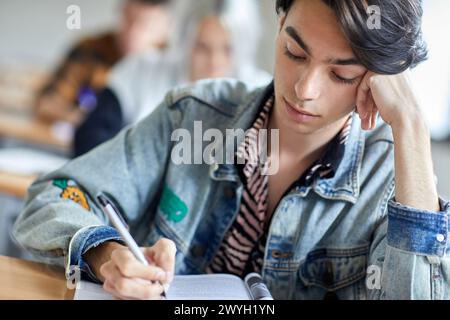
(36, 30)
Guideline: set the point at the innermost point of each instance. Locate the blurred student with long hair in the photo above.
(144, 25)
(215, 39)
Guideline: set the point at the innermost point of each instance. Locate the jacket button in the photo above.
(198, 251)
(276, 254)
(281, 255)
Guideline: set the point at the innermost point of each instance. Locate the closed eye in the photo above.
(344, 80)
(292, 56)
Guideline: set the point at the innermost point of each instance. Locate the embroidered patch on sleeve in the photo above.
(172, 206)
(72, 192)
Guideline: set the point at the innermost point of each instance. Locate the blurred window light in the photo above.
(432, 78)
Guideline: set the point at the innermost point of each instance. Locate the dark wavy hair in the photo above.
(395, 47)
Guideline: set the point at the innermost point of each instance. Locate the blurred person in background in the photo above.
(215, 39)
(71, 91)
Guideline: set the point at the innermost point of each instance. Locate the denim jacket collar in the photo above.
(344, 185)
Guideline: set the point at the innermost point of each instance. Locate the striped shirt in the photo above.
(242, 249)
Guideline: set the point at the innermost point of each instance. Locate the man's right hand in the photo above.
(125, 277)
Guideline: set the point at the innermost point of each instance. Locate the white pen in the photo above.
(120, 225)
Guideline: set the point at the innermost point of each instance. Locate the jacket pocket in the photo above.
(160, 229)
(184, 263)
(334, 268)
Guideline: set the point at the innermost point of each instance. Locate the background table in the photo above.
(15, 184)
(31, 130)
(25, 280)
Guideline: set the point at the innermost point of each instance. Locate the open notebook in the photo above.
(195, 287)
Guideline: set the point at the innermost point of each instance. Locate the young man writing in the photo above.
(314, 226)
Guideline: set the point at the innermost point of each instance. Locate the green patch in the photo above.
(172, 206)
(61, 183)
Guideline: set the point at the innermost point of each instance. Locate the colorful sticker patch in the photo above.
(172, 206)
(72, 192)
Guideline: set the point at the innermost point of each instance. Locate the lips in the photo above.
(300, 116)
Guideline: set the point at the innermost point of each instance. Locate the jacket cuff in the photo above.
(418, 231)
(84, 240)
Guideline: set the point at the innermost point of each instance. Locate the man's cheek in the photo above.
(347, 100)
(289, 81)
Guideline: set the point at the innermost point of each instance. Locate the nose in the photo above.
(308, 85)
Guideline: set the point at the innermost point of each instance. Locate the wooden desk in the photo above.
(14, 184)
(24, 280)
(30, 130)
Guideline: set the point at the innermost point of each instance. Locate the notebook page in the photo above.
(208, 287)
(191, 287)
(91, 291)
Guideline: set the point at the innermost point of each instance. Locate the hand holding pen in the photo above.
(134, 273)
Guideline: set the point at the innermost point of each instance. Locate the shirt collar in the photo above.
(328, 164)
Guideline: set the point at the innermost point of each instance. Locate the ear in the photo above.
(281, 20)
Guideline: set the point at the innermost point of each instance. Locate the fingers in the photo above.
(373, 120)
(130, 267)
(361, 97)
(130, 288)
(163, 254)
(365, 105)
(127, 278)
(372, 115)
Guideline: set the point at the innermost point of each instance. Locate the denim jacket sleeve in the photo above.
(408, 257)
(61, 219)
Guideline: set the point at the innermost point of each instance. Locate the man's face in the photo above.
(314, 73)
(143, 26)
(211, 55)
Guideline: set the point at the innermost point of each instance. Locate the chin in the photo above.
(303, 130)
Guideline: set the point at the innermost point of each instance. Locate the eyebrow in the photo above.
(296, 36)
(345, 62)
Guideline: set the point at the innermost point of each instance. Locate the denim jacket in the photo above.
(343, 237)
